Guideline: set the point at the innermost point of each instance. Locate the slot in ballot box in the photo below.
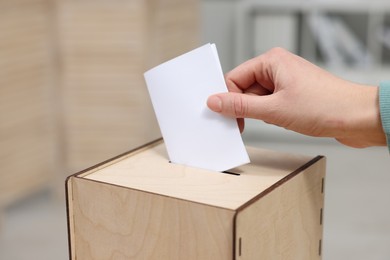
(140, 206)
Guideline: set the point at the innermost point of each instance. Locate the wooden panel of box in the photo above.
(140, 206)
(105, 47)
(27, 135)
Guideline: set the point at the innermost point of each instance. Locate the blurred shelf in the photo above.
(316, 30)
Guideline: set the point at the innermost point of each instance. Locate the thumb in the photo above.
(238, 105)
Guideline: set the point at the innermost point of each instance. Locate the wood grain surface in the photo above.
(140, 206)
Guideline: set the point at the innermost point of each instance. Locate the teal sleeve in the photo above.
(384, 105)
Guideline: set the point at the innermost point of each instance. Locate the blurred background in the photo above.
(72, 95)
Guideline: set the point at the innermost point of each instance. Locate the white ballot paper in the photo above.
(193, 134)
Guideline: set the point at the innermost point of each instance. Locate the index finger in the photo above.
(253, 76)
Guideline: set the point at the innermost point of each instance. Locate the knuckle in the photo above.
(277, 53)
(240, 107)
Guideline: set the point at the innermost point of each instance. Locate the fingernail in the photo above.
(214, 103)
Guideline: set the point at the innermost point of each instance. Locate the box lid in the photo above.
(149, 170)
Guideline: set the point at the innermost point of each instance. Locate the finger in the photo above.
(241, 124)
(257, 89)
(257, 71)
(239, 105)
(214, 104)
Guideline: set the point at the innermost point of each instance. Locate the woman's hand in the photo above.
(283, 89)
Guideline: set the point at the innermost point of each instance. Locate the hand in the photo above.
(285, 90)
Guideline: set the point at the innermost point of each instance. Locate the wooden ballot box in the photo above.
(140, 206)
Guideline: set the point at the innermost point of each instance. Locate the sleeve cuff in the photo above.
(384, 106)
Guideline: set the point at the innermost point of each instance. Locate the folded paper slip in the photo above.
(193, 134)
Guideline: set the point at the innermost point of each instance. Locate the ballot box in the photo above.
(140, 206)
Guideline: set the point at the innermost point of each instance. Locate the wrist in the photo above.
(365, 127)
